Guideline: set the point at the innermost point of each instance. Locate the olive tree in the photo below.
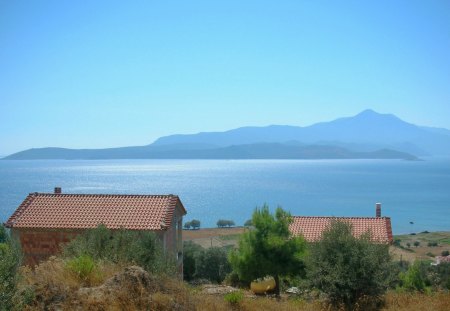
(349, 269)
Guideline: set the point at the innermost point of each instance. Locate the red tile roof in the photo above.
(84, 211)
(311, 228)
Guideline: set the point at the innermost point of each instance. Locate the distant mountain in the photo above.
(366, 131)
(290, 150)
(366, 135)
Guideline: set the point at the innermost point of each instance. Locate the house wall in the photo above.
(39, 244)
(173, 239)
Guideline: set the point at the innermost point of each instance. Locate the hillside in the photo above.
(368, 135)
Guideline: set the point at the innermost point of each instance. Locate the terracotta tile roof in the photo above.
(83, 211)
(311, 228)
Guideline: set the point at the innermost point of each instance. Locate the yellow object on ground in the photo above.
(263, 286)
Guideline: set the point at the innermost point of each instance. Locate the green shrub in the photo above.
(349, 270)
(445, 253)
(10, 259)
(212, 264)
(414, 278)
(416, 243)
(234, 298)
(122, 246)
(191, 251)
(430, 254)
(83, 267)
(432, 243)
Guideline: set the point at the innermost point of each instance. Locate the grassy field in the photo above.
(209, 237)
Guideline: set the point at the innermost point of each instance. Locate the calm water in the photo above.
(215, 189)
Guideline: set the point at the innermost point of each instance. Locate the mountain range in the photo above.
(367, 135)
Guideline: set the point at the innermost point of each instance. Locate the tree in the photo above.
(445, 253)
(225, 223)
(212, 264)
(416, 243)
(248, 223)
(195, 224)
(348, 268)
(269, 248)
(187, 225)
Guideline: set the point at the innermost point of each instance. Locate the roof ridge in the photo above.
(22, 207)
(104, 194)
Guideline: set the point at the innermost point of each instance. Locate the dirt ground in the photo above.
(209, 237)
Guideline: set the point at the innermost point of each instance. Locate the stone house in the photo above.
(45, 221)
(311, 227)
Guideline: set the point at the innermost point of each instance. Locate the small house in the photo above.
(45, 221)
(311, 227)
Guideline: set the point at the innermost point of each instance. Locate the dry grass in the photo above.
(417, 301)
(131, 288)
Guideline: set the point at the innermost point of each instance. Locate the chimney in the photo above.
(378, 209)
(57, 190)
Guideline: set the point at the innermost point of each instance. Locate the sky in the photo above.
(96, 74)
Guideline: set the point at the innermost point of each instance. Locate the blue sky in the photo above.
(80, 74)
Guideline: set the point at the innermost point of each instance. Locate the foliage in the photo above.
(122, 246)
(234, 298)
(416, 243)
(269, 248)
(195, 224)
(187, 225)
(445, 253)
(432, 243)
(190, 253)
(349, 269)
(225, 223)
(3, 234)
(248, 223)
(84, 268)
(10, 259)
(212, 264)
(414, 278)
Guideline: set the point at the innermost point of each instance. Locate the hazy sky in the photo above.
(101, 74)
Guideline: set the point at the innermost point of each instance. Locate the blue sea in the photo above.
(415, 194)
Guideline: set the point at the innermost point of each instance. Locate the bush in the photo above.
(84, 268)
(431, 244)
(122, 246)
(349, 270)
(234, 298)
(414, 278)
(416, 243)
(190, 254)
(10, 259)
(445, 253)
(212, 264)
(248, 223)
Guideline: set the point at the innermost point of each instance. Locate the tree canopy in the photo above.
(348, 268)
(269, 248)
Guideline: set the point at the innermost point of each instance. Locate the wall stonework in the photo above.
(39, 244)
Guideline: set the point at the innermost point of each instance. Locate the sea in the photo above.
(415, 194)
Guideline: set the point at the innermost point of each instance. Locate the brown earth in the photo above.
(216, 237)
(219, 237)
